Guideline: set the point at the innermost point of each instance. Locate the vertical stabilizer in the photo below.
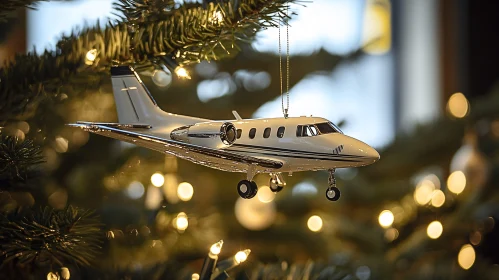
(133, 101)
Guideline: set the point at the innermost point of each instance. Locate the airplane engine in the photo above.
(215, 135)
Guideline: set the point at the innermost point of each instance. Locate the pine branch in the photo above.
(9, 6)
(184, 35)
(17, 159)
(47, 235)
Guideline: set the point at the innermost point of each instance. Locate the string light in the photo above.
(195, 276)
(241, 256)
(216, 248)
(458, 105)
(314, 223)
(157, 179)
(182, 72)
(217, 17)
(90, 56)
(434, 230)
(185, 191)
(466, 257)
(386, 218)
(456, 182)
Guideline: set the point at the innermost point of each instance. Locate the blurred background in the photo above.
(416, 79)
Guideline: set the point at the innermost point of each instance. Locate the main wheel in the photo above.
(274, 186)
(333, 193)
(247, 189)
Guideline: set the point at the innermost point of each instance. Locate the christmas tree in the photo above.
(80, 206)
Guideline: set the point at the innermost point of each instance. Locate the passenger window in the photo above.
(252, 133)
(239, 132)
(280, 131)
(299, 130)
(313, 130)
(266, 132)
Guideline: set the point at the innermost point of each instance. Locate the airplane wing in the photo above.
(187, 151)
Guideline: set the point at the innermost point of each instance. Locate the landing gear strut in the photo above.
(276, 183)
(332, 192)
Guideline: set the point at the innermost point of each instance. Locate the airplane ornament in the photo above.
(271, 145)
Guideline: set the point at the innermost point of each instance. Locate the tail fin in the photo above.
(134, 103)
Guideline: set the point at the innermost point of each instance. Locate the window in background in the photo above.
(51, 19)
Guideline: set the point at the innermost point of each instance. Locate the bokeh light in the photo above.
(254, 214)
(265, 194)
(314, 223)
(434, 229)
(458, 105)
(91, 56)
(181, 222)
(161, 78)
(157, 179)
(424, 192)
(475, 238)
(438, 198)
(185, 191)
(466, 256)
(135, 190)
(391, 234)
(386, 218)
(182, 72)
(456, 182)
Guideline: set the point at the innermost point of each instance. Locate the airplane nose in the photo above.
(362, 151)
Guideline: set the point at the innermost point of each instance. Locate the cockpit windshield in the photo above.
(317, 129)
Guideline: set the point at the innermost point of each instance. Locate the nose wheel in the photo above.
(247, 189)
(332, 192)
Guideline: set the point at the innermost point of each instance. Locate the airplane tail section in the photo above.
(133, 101)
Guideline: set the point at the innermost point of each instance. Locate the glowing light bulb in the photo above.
(458, 105)
(185, 191)
(241, 256)
(157, 179)
(182, 72)
(314, 223)
(216, 248)
(456, 182)
(386, 218)
(90, 56)
(195, 276)
(181, 222)
(466, 257)
(434, 229)
(438, 198)
(217, 17)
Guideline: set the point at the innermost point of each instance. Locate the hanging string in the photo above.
(284, 109)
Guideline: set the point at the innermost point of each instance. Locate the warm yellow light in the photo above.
(157, 179)
(434, 229)
(195, 276)
(456, 182)
(434, 179)
(314, 223)
(182, 72)
(181, 222)
(265, 195)
(466, 256)
(217, 17)
(386, 218)
(438, 198)
(185, 191)
(475, 238)
(458, 105)
(391, 234)
(241, 256)
(377, 27)
(424, 192)
(216, 248)
(90, 57)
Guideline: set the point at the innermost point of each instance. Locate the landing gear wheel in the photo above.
(333, 193)
(274, 187)
(247, 189)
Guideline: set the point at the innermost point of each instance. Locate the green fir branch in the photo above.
(8, 6)
(50, 236)
(184, 35)
(17, 158)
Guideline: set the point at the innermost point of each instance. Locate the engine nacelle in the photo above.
(215, 134)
